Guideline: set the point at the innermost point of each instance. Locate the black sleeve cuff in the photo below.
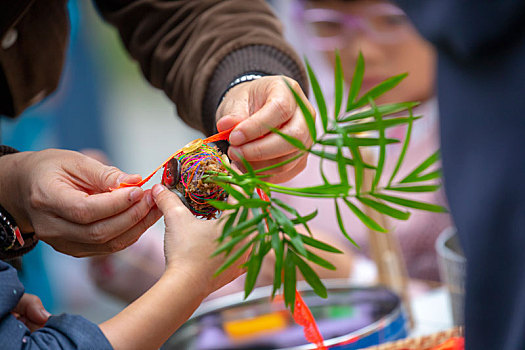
(266, 60)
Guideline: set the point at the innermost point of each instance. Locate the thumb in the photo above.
(30, 306)
(170, 205)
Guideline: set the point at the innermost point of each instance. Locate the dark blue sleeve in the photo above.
(481, 84)
(466, 28)
(60, 332)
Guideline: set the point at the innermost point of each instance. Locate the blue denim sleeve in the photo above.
(62, 332)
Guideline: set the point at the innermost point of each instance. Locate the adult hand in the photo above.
(65, 198)
(255, 107)
(31, 312)
(189, 243)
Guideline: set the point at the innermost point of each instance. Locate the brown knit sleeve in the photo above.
(193, 49)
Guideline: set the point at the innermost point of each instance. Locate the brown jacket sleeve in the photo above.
(193, 49)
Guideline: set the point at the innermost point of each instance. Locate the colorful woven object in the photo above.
(193, 165)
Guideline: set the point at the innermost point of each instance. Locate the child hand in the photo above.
(189, 243)
(31, 312)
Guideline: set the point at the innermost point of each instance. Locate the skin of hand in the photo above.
(31, 312)
(188, 243)
(65, 198)
(255, 107)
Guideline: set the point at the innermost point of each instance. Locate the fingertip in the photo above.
(228, 122)
(45, 314)
(157, 190)
(128, 178)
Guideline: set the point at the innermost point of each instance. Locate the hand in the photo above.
(257, 106)
(64, 197)
(189, 243)
(31, 312)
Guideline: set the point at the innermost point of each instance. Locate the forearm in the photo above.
(194, 49)
(149, 321)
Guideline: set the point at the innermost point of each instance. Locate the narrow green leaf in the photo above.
(404, 149)
(374, 126)
(436, 174)
(321, 170)
(298, 218)
(319, 98)
(320, 261)
(304, 219)
(253, 269)
(223, 205)
(291, 140)
(289, 280)
(230, 244)
(379, 90)
(382, 149)
(342, 225)
(319, 189)
(271, 167)
(339, 85)
(422, 167)
(233, 192)
(358, 141)
(229, 224)
(247, 224)
(333, 157)
(233, 258)
(411, 203)
(358, 166)
(384, 209)
(341, 165)
(247, 203)
(308, 117)
(365, 219)
(278, 248)
(422, 188)
(297, 243)
(357, 80)
(319, 245)
(385, 110)
(310, 277)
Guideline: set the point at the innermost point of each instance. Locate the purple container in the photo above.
(350, 318)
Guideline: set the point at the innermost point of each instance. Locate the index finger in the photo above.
(79, 207)
(277, 110)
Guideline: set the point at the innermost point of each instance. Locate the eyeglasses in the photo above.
(330, 29)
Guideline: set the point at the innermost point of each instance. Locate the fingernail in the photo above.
(44, 313)
(235, 153)
(136, 194)
(237, 137)
(149, 199)
(157, 189)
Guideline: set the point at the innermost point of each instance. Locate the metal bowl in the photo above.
(350, 318)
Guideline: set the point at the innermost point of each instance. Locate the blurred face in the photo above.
(381, 31)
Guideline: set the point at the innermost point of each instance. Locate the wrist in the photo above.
(11, 192)
(193, 279)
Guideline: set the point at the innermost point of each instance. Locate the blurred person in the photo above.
(390, 45)
(480, 82)
(144, 324)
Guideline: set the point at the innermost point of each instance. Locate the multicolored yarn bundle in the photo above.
(194, 164)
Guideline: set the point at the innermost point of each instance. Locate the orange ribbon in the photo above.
(223, 135)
